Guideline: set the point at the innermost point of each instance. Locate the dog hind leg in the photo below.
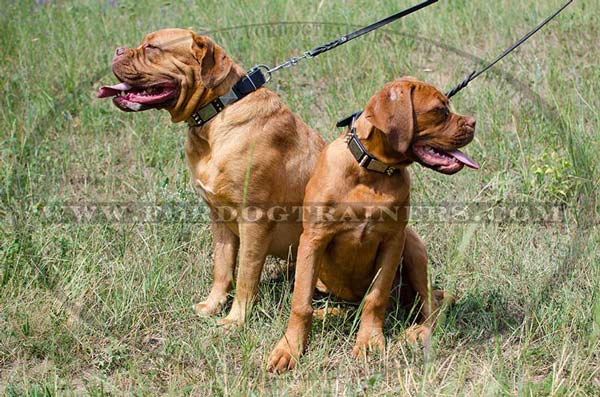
(414, 268)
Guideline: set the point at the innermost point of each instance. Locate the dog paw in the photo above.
(230, 323)
(207, 308)
(366, 345)
(443, 298)
(416, 334)
(321, 314)
(235, 318)
(282, 358)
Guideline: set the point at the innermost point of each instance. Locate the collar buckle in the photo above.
(246, 85)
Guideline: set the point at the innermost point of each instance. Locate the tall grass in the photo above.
(105, 307)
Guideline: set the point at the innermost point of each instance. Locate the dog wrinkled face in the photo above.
(417, 121)
(171, 69)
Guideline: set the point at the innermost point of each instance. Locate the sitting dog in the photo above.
(252, 151)
(354, 245)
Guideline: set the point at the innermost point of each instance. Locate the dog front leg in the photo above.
(225, 249)
(370, 333)
(291, 346)
(255, 238)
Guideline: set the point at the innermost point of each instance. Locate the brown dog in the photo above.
(254, 152)
(354, 250)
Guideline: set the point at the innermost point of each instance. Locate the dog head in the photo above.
(172, 69)
(417, 122)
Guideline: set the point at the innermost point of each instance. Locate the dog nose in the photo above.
(470, 122)
(119, 51)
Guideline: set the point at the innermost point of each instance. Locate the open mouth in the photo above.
(134, 99)
(444, 161)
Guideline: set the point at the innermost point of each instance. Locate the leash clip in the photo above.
(289, 63)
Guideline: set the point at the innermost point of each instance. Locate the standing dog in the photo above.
(355, 246)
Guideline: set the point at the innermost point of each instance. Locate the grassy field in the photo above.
(104, 307)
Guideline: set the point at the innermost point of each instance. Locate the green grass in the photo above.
(105, 308)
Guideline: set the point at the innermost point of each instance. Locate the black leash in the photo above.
(351, 36)
(523, 39)
(255, 78)
(348, 120)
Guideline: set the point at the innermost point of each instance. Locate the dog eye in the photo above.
(444, 112)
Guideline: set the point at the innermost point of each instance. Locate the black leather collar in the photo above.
(249, 83)
(359, 152)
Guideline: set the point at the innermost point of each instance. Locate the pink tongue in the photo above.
(460, 156)
(112, 90)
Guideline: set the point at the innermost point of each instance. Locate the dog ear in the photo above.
(391, 111)
(214, 62)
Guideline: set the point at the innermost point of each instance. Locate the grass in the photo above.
(104, 308)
